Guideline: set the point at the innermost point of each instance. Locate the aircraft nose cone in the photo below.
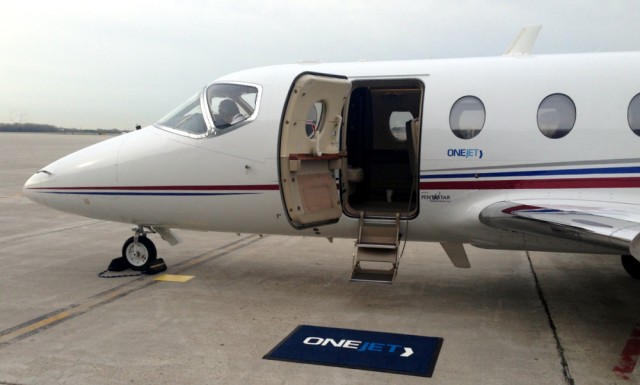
(64, 184)
(38, 181)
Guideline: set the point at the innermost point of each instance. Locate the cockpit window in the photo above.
(231, 104)
(187, 117)
(217, 109)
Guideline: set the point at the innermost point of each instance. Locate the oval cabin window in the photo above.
(314, 117)
(467, 117)
(556, 116)
(633, 115)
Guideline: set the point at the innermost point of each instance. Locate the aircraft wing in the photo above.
(611, 225)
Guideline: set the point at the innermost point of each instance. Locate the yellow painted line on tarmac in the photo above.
(47, 321)
(174, 278)
(44, 322)
(34, 326)
(16, 195)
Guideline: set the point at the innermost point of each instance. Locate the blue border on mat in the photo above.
(358, 349)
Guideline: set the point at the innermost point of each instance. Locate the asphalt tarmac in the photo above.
(513, 318)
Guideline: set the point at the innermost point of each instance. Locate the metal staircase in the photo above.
(376, 256)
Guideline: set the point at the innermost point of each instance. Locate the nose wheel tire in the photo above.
(139, 256)
(631, 266)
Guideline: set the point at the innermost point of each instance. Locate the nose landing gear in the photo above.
(139, 254)
(139, 251)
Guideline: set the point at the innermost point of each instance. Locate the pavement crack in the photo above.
(568, 378)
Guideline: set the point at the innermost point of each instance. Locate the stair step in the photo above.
(378, 240)
(377, 246)
(379, 234)
(373, 275)
(377, 255)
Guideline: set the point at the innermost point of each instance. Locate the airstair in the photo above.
(377, 255)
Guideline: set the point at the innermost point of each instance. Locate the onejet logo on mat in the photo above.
(360, 346)
(358, 349)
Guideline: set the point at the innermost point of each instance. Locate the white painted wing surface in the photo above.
(612, 225)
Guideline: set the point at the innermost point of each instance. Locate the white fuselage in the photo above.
(162, 178)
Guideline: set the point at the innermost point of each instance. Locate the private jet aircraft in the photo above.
(516, 152)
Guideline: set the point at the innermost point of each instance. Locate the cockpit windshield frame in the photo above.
(248, 110)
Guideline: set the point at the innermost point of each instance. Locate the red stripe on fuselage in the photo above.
(517, 184)
(268, 187)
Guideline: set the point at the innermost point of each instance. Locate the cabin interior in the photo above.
(382, 141)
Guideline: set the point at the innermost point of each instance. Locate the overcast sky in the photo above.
(113, 64)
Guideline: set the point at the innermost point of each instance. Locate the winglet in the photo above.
(524, 41)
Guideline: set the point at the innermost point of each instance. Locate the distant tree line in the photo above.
(32, 127)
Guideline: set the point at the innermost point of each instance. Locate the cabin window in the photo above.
(467, 117)
(232, 105)
(556, 116)
(186, 118)
(313, 119)
(398, 124)
(633, 115)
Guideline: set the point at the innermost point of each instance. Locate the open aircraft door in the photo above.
(310, 154)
